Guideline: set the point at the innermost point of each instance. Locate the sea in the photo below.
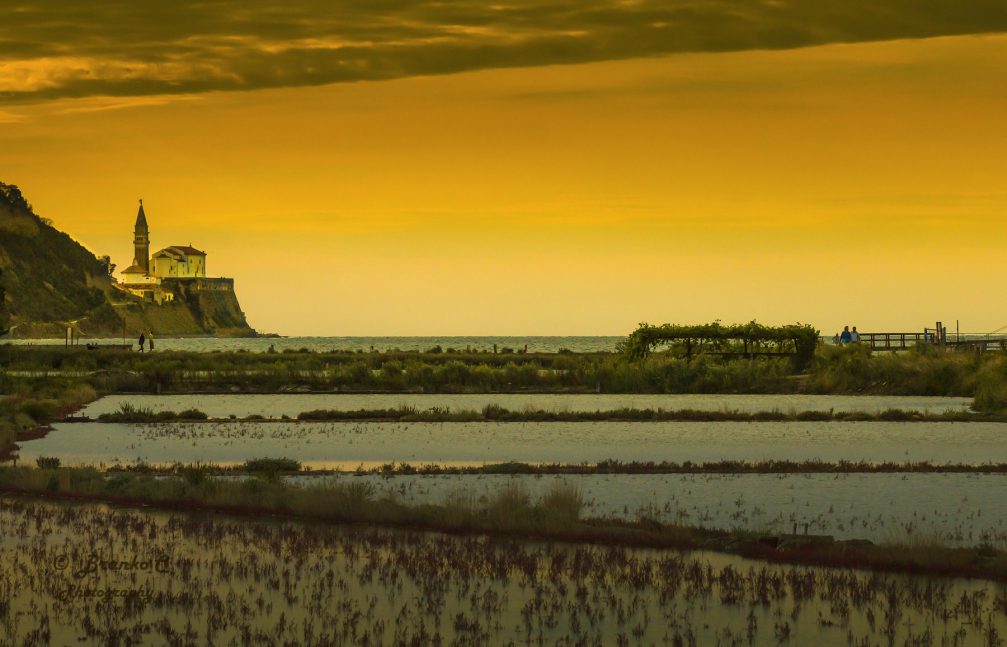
(532, 344)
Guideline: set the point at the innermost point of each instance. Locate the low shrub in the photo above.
(271, 465)
(47, 462)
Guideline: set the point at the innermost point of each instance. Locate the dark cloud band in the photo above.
(65, 48)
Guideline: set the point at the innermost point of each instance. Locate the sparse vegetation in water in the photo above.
(296, 583)
(497, 413)
(688, 467)
(509, 512)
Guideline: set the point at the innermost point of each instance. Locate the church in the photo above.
(150, 275)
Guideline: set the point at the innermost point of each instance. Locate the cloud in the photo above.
(65, 48)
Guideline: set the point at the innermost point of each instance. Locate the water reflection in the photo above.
(282, 583)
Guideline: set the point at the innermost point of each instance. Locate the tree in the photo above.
(4, 314)
(106, 261)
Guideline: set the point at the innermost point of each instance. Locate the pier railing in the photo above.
(896, 341)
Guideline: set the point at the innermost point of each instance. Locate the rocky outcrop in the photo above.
(52, 282)
(199, 308)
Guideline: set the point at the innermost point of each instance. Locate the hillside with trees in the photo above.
(49, 281)
(49, 278)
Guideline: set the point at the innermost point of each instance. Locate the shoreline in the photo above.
(626, 468)
(495, 413)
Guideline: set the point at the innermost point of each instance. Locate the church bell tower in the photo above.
(141, 241)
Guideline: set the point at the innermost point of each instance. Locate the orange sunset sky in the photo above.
(524, 168)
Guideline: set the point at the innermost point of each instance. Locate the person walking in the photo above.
(845, 337)
(150, 341)
(854, 336)
(143, 338)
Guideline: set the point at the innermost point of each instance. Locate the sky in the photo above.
(530, 167)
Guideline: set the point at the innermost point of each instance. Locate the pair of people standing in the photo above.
(148, 339)
(849, 336)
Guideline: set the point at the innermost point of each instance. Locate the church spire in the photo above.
(141, 241)
(141, 217)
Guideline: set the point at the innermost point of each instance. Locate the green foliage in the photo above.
(797, 340)
(921, 371)
(193, 475)
(563, 491)
(39, 409)
(129, 413)
(495, 412)
(274, 465)
(511, 505)
(29, 403)
(47, 462)
(991, 387)
(563, 501)
(34, 402)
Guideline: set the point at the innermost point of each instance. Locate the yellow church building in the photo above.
(145, 277)
(179, 262)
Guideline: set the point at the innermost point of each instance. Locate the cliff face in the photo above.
(201, 307)
(50, 281)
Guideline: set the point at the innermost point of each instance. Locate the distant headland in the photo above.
(52, 284)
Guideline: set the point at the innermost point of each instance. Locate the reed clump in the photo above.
(130, 413)
(923, 370)
(991, 389)
(273, 465)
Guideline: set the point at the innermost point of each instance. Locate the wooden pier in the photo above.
(894, 340)
(936, 336)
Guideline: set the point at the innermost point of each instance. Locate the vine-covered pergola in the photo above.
(739, 340)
